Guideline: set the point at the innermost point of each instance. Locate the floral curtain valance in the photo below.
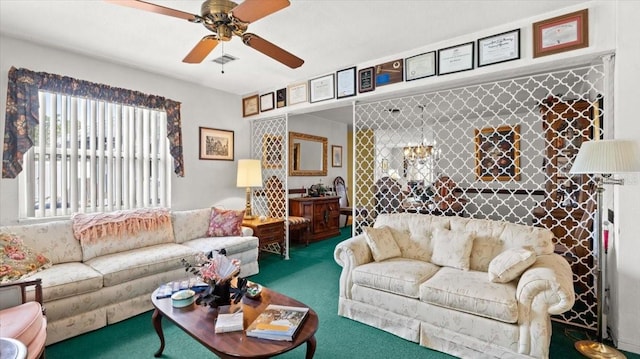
(22, 112)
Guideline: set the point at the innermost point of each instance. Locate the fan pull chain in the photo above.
(222, 58)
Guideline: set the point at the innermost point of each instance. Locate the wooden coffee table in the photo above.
(198, 321)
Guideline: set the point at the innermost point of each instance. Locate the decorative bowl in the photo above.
(182, 298)
(253, 290)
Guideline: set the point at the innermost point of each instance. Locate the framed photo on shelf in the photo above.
(297, 93)
(497, 152)
(272, 148)
(322, 88)
(216, 144)
(346, 82)
(281, 98)
(561, 33)
(266, 102)
(366, 81)
(420, 66)
(390, 72)
(499, 48)
(455, 59)
(250, 106)
(336, 156)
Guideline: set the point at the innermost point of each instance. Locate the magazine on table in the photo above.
(277, 322)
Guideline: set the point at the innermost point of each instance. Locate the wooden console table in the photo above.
(323, 212)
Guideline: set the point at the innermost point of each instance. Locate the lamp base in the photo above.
(592, 349)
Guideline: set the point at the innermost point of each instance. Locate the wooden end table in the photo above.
(269, 231)
(199, 322)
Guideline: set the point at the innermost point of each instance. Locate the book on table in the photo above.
(277, 322)
(229, 319)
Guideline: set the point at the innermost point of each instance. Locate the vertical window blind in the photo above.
(93, 156)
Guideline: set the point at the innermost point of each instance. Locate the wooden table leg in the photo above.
(311, 347)
(156, 319)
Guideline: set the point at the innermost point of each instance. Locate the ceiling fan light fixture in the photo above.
(224, 59)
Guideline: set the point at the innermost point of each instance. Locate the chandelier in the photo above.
(420, 151)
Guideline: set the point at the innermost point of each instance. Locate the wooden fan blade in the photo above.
(201, 50)
(253, 10)
(256, 42)
(146, 6)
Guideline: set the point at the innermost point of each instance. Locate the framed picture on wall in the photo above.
(250, 106)
(266, 102)
(336, 156)
(216, 144)
(366, 80)
(561, 33)
(499, 48)
(497, 152)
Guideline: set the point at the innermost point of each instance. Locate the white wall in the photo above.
(205, 182)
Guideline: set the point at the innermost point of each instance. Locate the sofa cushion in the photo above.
(67, 280)
(396, 275)
(122, 267)
(225, 222)
(486, 239)
(471, 292)
(190, 224)
(381, 242)
(18, 260)
(232, 245)
(413, 232)
(452, 248)
(54, 239)
(510, 264)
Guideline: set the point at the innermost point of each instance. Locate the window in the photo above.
(92, 156)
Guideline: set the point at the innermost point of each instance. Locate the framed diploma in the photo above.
(297, 93)
(266, 102)
(250, 106)
(321, 88)
(561, 33)
(281, 98)
(389, 72)
(455, 59)
(346, 82)
(366, 81)
(499, 48)
(420, 66)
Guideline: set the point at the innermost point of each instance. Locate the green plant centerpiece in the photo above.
(218, 271)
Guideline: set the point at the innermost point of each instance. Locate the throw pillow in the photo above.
(381, 242)
(225, 222)
(510, 264)
(452, 248)
(17, 260)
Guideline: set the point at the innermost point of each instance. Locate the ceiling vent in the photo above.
(224, 59)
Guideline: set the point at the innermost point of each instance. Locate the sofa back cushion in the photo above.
(413, 232)
(191, 224)
(53, 239)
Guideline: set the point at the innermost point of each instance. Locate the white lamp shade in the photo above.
(249, 173)
(607, 157)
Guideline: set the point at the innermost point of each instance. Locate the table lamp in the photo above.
(249, 175)
(603, 158)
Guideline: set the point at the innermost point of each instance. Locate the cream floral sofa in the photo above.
(472, 288)
(91, 285)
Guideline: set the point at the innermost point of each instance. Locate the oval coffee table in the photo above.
(199, 321)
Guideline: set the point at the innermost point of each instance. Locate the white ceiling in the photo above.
(327, 34)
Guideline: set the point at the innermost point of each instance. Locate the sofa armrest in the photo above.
(350, 254)
(246, 231)
(551, 279)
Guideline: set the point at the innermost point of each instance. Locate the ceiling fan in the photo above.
(225, 18)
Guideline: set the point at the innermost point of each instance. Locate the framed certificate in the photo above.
(390, 72)
(321, 88)
(420, 66)
(561, 33)
(499, 48)
(266, 102)
(297, 93)
(346, 82)
(455, 59)
(250, 106)
(366, 81)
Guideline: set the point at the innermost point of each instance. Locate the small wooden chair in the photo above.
(276, 198)
(341, 190)
(24, 320)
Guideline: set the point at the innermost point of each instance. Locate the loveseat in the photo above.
(473, 288)
(91, 284)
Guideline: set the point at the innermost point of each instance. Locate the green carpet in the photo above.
(310, 276)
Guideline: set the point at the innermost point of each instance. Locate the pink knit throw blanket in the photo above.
(89, 227)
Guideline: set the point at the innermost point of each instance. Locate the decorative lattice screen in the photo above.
(269, 144)
(499, 150)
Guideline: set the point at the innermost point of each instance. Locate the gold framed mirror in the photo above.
(307, 155)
